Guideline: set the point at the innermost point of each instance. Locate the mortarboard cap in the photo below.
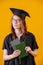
(19, 12)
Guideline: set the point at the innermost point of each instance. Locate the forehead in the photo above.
(16, 17)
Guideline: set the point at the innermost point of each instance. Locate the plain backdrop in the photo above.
(34, 24)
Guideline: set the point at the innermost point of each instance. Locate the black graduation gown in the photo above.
(29, 40)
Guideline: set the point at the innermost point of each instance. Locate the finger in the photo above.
(25, 47)
(26, 51)
(19, 50)
(16, 51)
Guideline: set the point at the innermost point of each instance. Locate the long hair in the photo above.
(23, 29)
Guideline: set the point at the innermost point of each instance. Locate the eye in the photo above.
(16, 20)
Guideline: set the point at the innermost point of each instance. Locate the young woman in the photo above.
(18, 27)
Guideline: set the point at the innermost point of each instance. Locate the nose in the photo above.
(15, 21)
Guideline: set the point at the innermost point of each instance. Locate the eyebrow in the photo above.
(17, 18)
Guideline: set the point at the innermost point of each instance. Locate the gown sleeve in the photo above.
(5, 45)
(34, 44)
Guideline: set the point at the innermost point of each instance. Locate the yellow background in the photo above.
(34, 24)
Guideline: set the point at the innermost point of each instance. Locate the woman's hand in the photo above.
(16, 53)
(28, 49)
(11, 56)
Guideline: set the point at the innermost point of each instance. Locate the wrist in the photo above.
(30, 51)
(12, 56)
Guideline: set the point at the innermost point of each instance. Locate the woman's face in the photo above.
(16, 22)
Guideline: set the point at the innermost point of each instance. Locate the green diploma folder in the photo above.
(21, 47)
(16, 44)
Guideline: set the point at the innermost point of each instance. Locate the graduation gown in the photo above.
(29, 40)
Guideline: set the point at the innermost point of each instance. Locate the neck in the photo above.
(18, 33)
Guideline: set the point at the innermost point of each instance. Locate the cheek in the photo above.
(19, 24)
(13, 25)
